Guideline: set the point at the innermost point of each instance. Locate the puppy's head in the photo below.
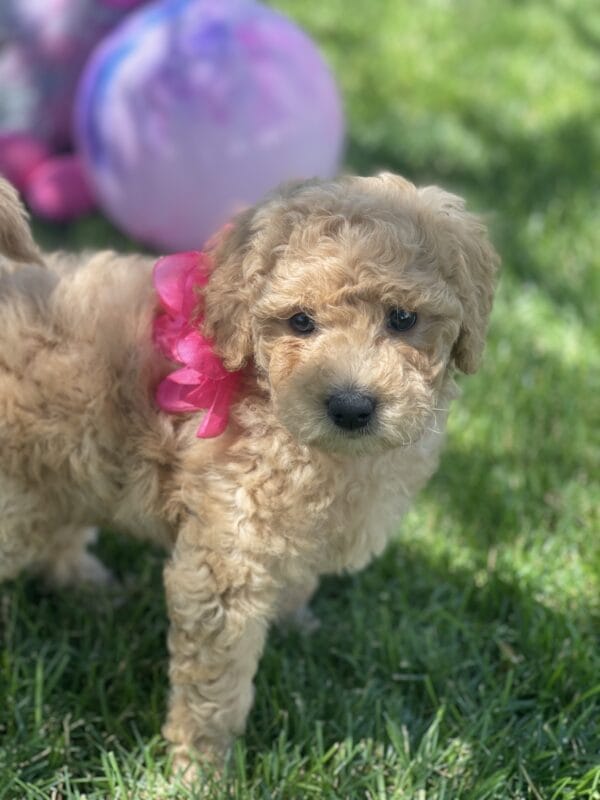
(354, 299)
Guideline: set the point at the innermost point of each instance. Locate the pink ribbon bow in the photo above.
(202, 382)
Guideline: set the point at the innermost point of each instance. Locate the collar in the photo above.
(201, 381)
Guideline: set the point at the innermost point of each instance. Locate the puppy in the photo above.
(346, 307)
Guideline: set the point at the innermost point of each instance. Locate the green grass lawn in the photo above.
(465, 663)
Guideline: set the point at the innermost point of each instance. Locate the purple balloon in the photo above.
(193, 109)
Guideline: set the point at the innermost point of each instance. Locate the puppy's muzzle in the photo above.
(350, 409)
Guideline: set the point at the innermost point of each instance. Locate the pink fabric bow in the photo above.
(202, 382)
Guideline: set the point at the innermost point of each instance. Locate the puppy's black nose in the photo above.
(350, 409)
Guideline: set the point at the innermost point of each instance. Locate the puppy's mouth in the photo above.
(347, 420)
(356, 422)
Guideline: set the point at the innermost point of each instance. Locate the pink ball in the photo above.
(193, 109)
(58, 189)
(20, 154)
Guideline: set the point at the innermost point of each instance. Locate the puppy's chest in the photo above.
(365, 508)
(333, 514)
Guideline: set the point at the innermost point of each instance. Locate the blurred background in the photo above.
(465, 663)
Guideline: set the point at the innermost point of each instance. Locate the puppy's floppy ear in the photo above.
(16, 240)
(227, 297)
(244, 254)
(472, 265)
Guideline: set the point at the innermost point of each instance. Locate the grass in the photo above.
(465, 663)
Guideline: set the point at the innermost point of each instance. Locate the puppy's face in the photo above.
(351, 305)
(354, 351)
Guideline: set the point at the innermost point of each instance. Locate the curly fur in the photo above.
(253, 518)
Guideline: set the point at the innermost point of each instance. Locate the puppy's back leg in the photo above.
(32, 538)
(16, 552)
(22, 527)
(67, 561)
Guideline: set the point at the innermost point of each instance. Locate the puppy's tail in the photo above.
(16, 241)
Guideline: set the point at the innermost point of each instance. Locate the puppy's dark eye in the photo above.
(301, 323)
(400, 320)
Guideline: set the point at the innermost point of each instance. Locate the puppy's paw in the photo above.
(90, 572)
(198, 773)
(87, 572)
(73, 566)
(303, 620)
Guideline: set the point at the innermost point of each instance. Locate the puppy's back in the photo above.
(76, 360)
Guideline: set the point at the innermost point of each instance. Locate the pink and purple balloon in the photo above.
(193, 109)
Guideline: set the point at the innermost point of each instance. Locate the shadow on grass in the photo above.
(410, 637)
(536, 449)
(578, 22)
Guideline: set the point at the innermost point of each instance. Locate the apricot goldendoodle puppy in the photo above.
(346, 308)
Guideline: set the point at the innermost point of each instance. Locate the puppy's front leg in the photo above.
(219, 608)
